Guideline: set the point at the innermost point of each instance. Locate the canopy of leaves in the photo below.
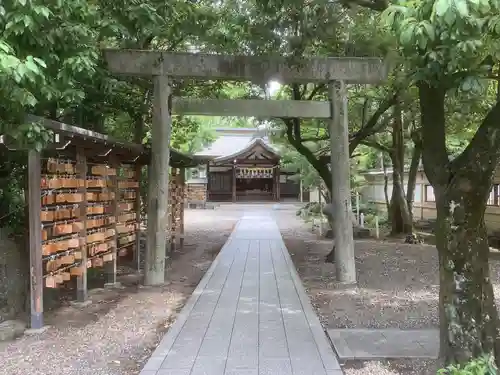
(450, 41)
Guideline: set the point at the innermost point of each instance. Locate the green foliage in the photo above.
(32, 136)
(293, 161)
(12, 181)
(45, 49)
(448, 41)
(481, 366)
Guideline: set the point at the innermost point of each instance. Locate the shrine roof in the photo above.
(234, 141)
(125, 151)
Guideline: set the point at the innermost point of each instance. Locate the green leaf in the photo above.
(31, 65)
(462, 8)
(441, 7)
(429, 30)
(407, 35)
(40, 62)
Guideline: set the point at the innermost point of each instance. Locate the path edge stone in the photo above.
(168, 339)
(326, 351)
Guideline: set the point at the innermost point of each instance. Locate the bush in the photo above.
(310, 209)
(480, 366)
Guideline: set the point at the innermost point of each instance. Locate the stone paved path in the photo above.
(373, 344)
(248, 316)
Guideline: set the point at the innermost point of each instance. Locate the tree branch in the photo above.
(376, 145)
(315, 139)
(371, 127)
(316, 163)
(315, 91)
(484, 148)
(434, 153)
(377, 5)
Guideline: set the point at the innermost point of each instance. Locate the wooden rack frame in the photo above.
(101, 194)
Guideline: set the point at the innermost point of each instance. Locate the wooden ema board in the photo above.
(127, 225)
(79, 223)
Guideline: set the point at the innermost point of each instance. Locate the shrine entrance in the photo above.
(334, 73)
(250, 174)
(255, 184)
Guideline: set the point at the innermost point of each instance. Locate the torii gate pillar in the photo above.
(345, 263)
(158, 189)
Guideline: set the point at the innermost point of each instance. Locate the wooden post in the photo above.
(357, 207)
(182, 182)
(158, 184)
(173, 209)
(207, 192)
(422, 201)
(110, 267)
(81, 280)
(320, 203)
(301, 187)
(275, 190)
(35, 238)
(234, 183)
(278, 184)
(341, 192)
(138, 221)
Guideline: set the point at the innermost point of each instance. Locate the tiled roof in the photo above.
(229, 143)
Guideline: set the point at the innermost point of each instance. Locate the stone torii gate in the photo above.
(334, 71)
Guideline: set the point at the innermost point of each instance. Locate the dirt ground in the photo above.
(116, 333)
(398, 287)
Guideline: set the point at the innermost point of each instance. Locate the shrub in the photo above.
(480, 366)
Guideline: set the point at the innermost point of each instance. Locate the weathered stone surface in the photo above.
(357, 232)
(250, 108)
(329, 212)
(376, 344)
(10, 329)
(249, 312)
(250, 68)
(36, 331)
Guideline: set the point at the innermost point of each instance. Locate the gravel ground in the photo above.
(398, 287)
(116, 334)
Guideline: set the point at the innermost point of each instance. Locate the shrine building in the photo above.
(241, 165)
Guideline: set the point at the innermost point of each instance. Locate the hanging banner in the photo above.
(254, 173)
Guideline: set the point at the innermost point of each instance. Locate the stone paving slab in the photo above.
(249, 315)
(370, 344)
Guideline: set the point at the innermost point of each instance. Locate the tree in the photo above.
(394, 142)
(46, 49)
(50, 65)
(452, 46)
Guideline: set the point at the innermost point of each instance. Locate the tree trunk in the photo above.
(412, 176)
(399, 214)
(386, 184)
(468, 314)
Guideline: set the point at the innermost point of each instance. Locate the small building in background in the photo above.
(424, 201)
(241, 165)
